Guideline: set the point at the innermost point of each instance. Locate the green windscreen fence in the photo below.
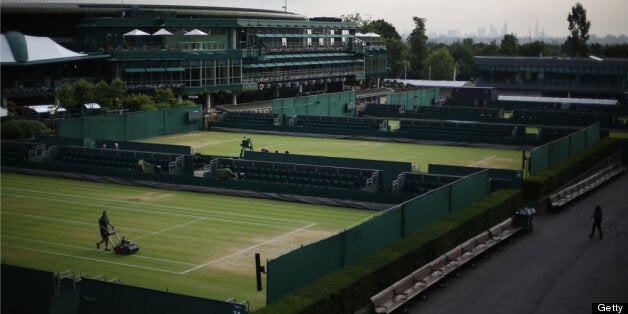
(304, 265)
(134, 125)
(468, 189)
(426, 209)
(546, 155)
(101, 297)
(368, 236)
(411, 99)
(335, 105)
(513, 177)
(296, 269)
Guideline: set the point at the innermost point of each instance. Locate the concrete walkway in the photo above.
(556, 268)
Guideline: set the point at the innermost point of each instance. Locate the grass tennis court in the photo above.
(228, 144)
(190, 243)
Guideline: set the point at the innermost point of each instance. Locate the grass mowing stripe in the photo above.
(92, 259)
(168, 229)
(247, 249)
(159, 206)
(83, 248)
(159, 212)
(64, 220)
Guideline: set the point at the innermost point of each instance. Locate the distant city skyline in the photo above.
(463, 16)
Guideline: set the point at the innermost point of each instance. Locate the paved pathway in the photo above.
(556, 268)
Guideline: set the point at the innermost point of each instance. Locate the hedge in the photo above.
(350, 288)
(545, 182)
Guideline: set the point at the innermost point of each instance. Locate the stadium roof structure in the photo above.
(19, 49)
(430, 83)
(92, 7)
(560, 100)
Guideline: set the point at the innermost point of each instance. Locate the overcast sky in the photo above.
(465, 16)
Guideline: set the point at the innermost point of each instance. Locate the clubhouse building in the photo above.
(210, 54)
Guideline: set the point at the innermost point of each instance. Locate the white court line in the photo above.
(85, 249)
(247, 249)
(166, 213)
(93, 259)
(173, 227)
(65, 220)
(481, 161)
(154, 205)
(216, 143)
(419, 154)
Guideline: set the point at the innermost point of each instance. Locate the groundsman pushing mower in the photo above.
(123, 247)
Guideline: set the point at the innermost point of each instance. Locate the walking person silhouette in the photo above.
(597, 221)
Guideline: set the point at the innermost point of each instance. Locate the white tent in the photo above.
(92, 105)
(162, 31)
(52, 109)
(137, 32)
(195, 32)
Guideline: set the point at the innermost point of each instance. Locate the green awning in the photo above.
(134, 70)
(175, 69)
(155, 69)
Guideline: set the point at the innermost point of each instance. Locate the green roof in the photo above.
(17, 42)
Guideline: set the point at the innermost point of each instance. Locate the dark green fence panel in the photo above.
(593, 134)
(136, 125)
(335, 104)
(26, 290)
(423, 97)
(539, 159)
(66, 302)
(426, 209)
(514, 177)
(469, 189)
(132, 126)
(373, 234)
(578, 142)
(101, 297)
(559, 150)
(300, 267)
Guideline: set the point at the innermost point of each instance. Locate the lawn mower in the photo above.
(123, 247)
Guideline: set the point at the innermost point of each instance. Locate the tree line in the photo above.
(114, 95)
(418, 58)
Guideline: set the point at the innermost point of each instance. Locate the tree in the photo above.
(397, 56)
(138, 101)
(118, 90)
(382, 28)
(509, 45)
(462, 52)
(66, 96)
(84, 93)
(355, 18)
(23, 129)
(418, 47)
(102, 94)
(396, 49)
(576, 43)
(441, 64)
(165, 96)
(534, 49)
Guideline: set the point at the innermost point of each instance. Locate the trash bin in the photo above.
(523, 218)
